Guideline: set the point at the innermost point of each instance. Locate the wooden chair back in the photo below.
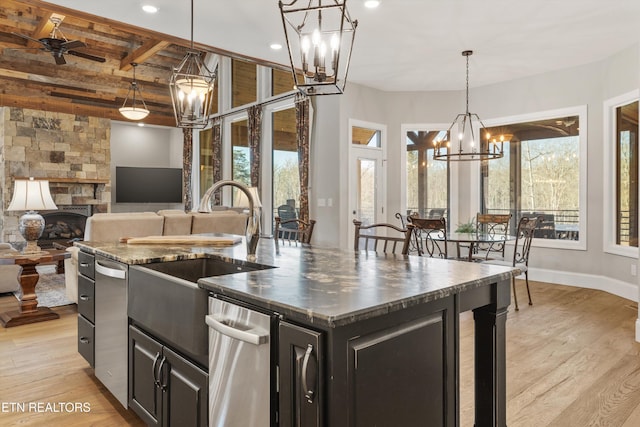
(430, 235)
(386, 238)
(293, 230)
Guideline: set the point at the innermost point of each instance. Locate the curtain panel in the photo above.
(254, 114)
(216, 145)
(187, 162)
(302, 137)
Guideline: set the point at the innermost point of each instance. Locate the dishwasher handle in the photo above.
(111, 272)
(255, 336)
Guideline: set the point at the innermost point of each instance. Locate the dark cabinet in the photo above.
(301, 376)
(86, 307)
(397, 374)
(394, 370)
(165, 388)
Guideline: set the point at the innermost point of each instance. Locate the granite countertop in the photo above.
(324, 286)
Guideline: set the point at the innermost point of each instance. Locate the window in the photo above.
(240, 166)
(285, 172)
(243, 83)
(539, 175)
(620, 180)
(427, 179)
(627, 175)
(365, 137)
(281, 82)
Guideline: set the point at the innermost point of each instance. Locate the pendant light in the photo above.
(134, 112)
(469, 145)
(319, 38)
(191, 85)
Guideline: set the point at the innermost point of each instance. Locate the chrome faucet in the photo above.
(252, 233)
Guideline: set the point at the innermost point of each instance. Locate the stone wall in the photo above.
(73, 152)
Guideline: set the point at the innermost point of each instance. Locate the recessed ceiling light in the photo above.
(275, 46)
(371, 4)
(141, 125)
(149, 8)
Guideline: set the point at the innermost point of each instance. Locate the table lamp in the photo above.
(241, 200)
(31, 195)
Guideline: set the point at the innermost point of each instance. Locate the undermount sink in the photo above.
(165, 300)
(194, 269)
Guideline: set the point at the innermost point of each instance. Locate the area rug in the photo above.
(50, 288)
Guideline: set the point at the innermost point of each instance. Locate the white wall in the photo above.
(148, 146)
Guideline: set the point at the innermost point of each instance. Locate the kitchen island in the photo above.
(381, 330)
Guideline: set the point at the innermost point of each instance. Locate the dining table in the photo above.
(473, 240)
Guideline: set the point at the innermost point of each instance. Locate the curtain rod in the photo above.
(270, 101)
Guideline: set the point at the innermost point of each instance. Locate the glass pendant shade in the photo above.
(319, 38)
(137, 110)
(468, 144)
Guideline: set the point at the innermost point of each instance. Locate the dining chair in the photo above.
(293, 230)
(287, 212)
(492, 225)
(387, 238)
(431, 231)
(524, 236)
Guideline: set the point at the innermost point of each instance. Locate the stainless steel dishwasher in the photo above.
(111, 326)
(240, 371)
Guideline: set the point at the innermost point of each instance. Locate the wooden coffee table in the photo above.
(29, 312)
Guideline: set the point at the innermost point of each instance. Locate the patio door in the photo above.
(366, 174)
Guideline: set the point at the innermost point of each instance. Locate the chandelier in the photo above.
(468, 146)
(133, 112)
(319, 38)
(191, 86)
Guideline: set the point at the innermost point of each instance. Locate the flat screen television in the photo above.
(148, 185)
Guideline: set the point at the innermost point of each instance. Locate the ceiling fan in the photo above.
(58, 44)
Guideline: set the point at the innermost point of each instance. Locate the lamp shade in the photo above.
(241, 200)
(31, 195)
(133, 113)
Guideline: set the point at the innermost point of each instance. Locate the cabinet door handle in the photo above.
(162, 386)
(84, 297)
(156, 381)
(84, 340)
(308, 391)
(84, 265)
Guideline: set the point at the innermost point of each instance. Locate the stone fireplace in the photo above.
(72, 152)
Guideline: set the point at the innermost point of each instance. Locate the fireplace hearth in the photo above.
(62, 228)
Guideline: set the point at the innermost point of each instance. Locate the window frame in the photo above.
(581, 112)
(609, 175)
(452, 179)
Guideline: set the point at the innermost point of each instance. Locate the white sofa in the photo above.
(110, 227)
(8, 273)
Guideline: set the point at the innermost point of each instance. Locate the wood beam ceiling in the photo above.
(30, 78)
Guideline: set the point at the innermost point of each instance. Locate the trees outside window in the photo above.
(538, 176)
(286, 174)
(627, 175)
(427, 179)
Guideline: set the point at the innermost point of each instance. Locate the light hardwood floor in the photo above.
(571, 361)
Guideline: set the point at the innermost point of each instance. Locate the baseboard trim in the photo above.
(613, 286)
(591, 281)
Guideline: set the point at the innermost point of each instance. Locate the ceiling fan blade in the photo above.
(73, 44)
(59, 59)
(26, 37)
(86, 56)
